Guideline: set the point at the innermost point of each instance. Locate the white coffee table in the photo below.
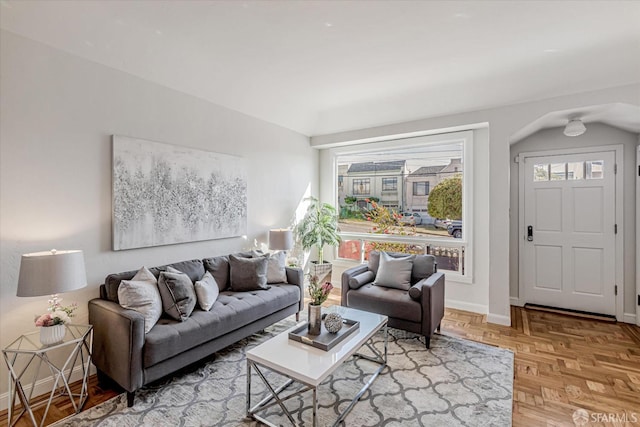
(310, 366)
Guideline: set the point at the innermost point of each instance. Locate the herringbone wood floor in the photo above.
(562, 364)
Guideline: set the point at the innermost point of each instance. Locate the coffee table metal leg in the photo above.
(315, 406)
(248, 402)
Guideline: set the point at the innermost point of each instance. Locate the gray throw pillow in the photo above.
(219, 269)
(141, 294)
(207, 291)
(178, 294)
(394, 272)
(276, 272)
(248, 274)
(356, 282)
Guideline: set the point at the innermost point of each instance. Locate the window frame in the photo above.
(366, 181)
(398, 142)
(395, 184)
(426, 185)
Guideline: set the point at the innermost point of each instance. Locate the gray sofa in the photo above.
(419, 310)
(125, 354)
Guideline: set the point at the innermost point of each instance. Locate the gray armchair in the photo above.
(419, 310)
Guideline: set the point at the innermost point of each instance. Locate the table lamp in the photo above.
(280, 239)
(50, 273)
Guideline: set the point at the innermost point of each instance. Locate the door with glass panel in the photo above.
(568, 259)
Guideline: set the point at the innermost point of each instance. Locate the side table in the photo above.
(25, 357)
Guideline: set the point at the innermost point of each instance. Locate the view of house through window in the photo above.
(404, 200)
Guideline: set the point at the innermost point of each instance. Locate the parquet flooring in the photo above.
(562, 364)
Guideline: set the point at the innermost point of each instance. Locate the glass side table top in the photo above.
(30, 342)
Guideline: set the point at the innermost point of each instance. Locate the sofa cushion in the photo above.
(219, 268)
(178, 295)
(394, 272)
(141, 294)
(388, 301)
(231, 311)
(248, 274)
(207, 291)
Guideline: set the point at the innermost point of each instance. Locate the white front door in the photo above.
(568, 259)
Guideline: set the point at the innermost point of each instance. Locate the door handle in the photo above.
(530, 233)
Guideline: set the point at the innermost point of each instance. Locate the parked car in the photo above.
(455, 229)
(412, 218)
(441, 223)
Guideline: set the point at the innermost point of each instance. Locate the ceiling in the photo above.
(319, 67)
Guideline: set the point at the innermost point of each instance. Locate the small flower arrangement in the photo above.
(318, 293)
(56, 314)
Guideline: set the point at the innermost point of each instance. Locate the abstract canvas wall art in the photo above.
(165, 194)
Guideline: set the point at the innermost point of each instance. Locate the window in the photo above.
(361, 187)
(391, 178)
(593, 169)
(389, 184)
(421, 188)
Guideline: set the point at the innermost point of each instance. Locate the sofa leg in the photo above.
(438, 328)
(427, 341)
(130, 396)
(297, 316)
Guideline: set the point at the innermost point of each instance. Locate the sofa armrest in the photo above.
(295, 276)
(118, 339)
(346, 276)
(432, 301)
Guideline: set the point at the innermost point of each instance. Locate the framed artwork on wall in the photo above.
(165, 194)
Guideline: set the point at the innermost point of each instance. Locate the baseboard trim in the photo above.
(499, 319)
(466, 306)
(629, 318)
(44, 386)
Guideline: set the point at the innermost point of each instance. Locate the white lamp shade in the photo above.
(280, 239)
(51, 272)
(575, 127)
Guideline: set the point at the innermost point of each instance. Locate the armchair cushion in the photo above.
(394, 272)
(357, 281)
(388, 301)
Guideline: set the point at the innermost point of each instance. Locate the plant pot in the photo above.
(50, 335)
(323, 271)
(315, 319)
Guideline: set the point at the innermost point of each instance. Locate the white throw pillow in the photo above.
(394, 272)
(142, 295)
(276, 272)
(207, 291)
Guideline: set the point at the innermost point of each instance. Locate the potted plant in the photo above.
(318, 227)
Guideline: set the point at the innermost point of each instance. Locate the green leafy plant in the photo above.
(445, 200)
(319, 227)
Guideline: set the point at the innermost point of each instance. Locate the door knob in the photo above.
(530, 233)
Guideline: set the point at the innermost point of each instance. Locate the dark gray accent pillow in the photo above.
(178, 294)
(415, 292)
(394, 272)
(361, 279)
(219, 269)
(248, 274)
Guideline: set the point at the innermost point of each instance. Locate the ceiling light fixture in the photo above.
(575, 127)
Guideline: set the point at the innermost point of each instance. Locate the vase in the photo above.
(315, 319)
(50, 335)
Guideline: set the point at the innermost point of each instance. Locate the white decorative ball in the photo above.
(333, 322)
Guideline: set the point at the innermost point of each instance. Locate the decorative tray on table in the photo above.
(326, 340)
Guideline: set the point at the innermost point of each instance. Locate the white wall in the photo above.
(58, 113)
(503, 123)
(597, 134)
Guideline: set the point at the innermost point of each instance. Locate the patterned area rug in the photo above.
(454, 383)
